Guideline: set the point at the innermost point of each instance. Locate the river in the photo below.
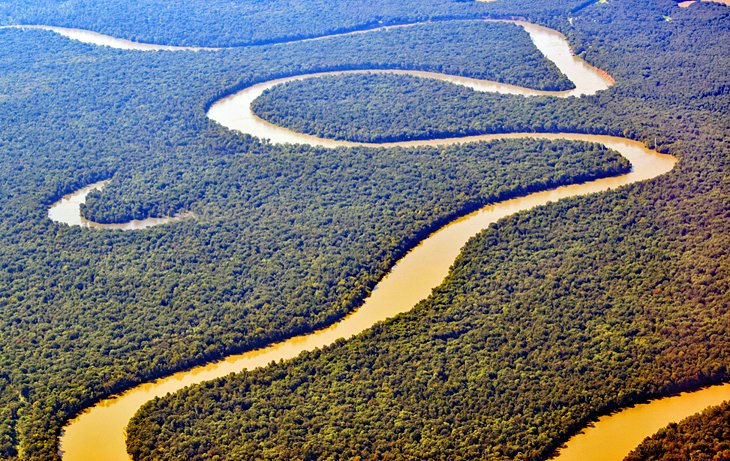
(98, 433)
(67, 210)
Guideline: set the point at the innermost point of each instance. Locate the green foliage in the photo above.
(248, 22)
(398, 108)
(687, 74)
(638, 277)
(547, 319)
(702, 437)
(287, 238)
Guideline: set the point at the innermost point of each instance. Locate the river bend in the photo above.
(98, 433)
(67, 210)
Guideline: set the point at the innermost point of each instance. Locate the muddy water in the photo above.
(612, 437)
(235, 112)
(68, 211)
(99, 432)
(95, 38)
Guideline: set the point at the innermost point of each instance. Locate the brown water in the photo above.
(612, 437)
(68, 211)
(235, 112)
(98, 433)
(95, 38)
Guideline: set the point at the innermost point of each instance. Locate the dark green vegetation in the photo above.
(286, 238)
(442, 47)
(550, 317)
(398, 108)
(702, 437)
(246, 22)
(403, 107)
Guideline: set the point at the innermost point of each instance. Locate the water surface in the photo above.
(68, 211)
(612, 437)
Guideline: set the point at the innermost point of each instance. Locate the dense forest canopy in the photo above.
(284, 235)
(401, 108)
(629, 289)
(324, 106)
(246, 22)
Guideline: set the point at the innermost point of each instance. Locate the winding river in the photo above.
(98, 433)
(68, 211)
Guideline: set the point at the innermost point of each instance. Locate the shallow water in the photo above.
(68, 211)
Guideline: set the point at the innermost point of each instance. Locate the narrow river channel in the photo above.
(98, 433)
(68, 211)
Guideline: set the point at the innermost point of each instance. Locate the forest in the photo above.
(702, 437)
(538, 311)
(283, 237)
(399, 108)
(549, 318)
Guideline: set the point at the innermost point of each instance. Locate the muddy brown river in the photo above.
(98, 432)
